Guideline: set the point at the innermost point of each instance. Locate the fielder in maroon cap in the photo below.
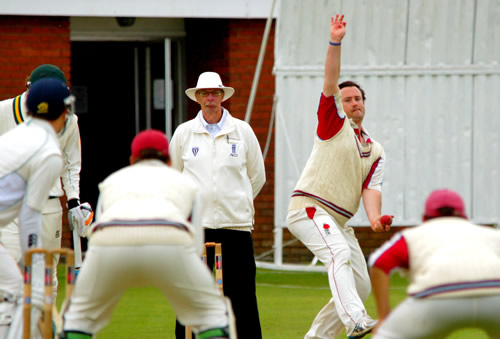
(147, 231)
(442, 203)
(149, 144)
(454, 273)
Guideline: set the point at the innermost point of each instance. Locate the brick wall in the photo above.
(244, 45)
(25, 43)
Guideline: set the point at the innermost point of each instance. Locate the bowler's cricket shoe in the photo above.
(362, 328)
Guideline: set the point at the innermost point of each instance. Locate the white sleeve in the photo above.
(378, 175)
(175, 149)
(30, 225)
(255, 162)
(72, 155)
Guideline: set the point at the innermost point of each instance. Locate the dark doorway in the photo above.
(110, 83)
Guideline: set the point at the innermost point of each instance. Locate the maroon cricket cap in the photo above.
(444, 198)
(150, 139)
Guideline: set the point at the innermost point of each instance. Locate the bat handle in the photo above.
(77, 248)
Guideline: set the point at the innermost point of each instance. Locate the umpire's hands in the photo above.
(80, 217)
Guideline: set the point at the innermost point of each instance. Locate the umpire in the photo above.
(222, 155)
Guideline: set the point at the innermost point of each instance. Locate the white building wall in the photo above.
(430, 69)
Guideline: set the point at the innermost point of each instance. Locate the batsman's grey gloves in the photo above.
(80, 217)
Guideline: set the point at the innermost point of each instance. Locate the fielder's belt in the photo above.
(139, 223)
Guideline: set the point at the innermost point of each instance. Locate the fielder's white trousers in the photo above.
(175, 269)
(437, 318)
(11, 283)
(51, 234)
(338, 249)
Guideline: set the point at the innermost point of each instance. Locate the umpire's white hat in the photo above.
(209, 80)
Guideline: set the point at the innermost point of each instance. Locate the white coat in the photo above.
(228, 168)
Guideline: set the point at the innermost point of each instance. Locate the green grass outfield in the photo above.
(288, 303)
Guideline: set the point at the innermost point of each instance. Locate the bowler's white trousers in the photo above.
(338, 249)
(168, 261)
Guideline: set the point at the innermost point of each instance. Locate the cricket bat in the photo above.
(77, 248)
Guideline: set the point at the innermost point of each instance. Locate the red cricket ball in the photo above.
(386, 220)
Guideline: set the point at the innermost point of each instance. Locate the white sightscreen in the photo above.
(430, 69)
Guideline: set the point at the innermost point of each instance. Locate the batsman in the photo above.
(147, 232)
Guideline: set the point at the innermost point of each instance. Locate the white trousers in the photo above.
(51, 234)
(176, 270)
(11, 278)
(437, 318)
(11, 283)
(338, 249)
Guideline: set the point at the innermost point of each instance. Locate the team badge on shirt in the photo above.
(233, 150)
(32, 240)
(326, 227)
(195, 150)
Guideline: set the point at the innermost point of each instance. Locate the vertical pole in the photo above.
(278, 246)
(147, 86)
(136, 90)
(258, 68)
(168, 88)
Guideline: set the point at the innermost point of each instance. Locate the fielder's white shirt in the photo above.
(445, 257)
(31, 163)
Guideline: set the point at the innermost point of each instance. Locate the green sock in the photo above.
(216, 332)
(77, 335)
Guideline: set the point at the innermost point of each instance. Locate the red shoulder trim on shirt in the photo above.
(391, 255)
(329, 121)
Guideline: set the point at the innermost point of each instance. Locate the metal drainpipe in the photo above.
(256, 76)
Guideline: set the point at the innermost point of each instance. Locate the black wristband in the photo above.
(72, 203)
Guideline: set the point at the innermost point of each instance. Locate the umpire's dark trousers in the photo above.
(238, 272)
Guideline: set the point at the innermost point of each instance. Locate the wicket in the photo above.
(218, 271)
(50, 311)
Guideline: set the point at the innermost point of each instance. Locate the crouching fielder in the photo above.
(454, 273)
(142, 237)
